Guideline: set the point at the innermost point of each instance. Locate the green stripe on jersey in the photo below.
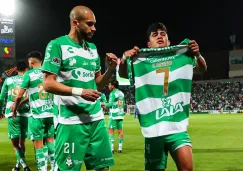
(163, 81)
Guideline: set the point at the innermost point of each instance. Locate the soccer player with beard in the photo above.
(72, 72)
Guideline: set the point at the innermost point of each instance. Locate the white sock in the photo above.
(120, 147)
(23, 162)
(112, 147)
(17, 164)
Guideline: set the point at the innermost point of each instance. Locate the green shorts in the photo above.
(83, 142)
(17, 127)
(40, 128)
(157, 148)
(115, 124)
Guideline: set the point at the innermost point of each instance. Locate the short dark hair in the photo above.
(36, 55)
(154, 27)
(21, 66)
(115, 83)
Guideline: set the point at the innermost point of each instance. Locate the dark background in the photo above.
(123, 24)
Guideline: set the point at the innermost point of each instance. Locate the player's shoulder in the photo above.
(58, 41)
(29, 71)
(8, 79)
(120, 92)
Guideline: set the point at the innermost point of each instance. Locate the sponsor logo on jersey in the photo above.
(168, 109)
(56, 61)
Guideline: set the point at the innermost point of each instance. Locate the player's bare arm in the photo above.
(123, 64)
(17, 101)
(102, 80)
(201, 65)
(52, 86)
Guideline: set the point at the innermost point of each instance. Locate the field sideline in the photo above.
(217, 145)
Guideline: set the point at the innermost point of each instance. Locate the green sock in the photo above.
(40, 159)
(111, 139)
(120, 140)
(45, 151)
(21, 158)
(51, 151)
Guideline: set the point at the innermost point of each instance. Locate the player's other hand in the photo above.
(194, 47)
(90, 94)
(132, 52)
(1, 116)
(112, 60)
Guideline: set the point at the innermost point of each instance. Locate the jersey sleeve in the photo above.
(130, 72)
(103, 98)
(26, 81)
(53, 58)
(111, 100)
(4, 92)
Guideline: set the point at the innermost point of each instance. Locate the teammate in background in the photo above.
(72, 72)
(160, 135)
(17, 127)
(116, 105)
(41, 106)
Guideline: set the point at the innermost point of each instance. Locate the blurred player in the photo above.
(17, 127)
(41, 106)
(116, 105)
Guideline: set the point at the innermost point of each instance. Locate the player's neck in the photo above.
(20, 73)
(74, 36)
(36, 66)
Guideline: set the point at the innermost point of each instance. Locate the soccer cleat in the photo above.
(16, 169)
(119, 151)
(27, 168)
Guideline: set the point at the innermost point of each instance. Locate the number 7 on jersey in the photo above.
(166, 72)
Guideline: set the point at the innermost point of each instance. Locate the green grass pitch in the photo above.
(217, 145)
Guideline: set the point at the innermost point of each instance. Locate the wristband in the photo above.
(124, 57)
(77, 91)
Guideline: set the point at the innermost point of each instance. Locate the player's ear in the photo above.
(149, 44)
(75, 22)
(168, 42)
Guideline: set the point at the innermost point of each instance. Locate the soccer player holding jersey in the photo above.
(163, 78)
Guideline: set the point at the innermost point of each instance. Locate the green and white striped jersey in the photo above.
(103, 98)
(75, 66)
(163, 82)
(41, 103)
(116, 104)
(10, 89)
